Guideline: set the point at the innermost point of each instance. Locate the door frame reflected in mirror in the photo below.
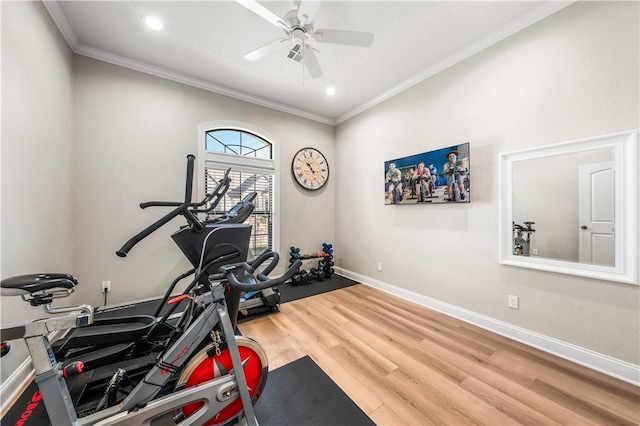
(625, 159)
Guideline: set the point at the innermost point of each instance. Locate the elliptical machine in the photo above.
(174, 360)
(132, 330)
(255, 302)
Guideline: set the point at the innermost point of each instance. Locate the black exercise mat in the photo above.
(27, 410)
(301, 394)
(297, 394)
(290, 292)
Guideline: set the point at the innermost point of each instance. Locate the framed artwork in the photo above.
(432, 177)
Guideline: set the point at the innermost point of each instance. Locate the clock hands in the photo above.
(311, 167)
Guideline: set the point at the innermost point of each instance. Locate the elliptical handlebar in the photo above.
(218, 193)
(182, 209)
(259, 283)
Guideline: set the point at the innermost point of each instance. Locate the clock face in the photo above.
(310, 169)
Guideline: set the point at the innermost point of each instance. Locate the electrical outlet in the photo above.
(534, 252)
(106, 286)
(380, 266)
(513, 301)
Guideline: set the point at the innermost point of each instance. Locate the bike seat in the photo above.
(33, 283)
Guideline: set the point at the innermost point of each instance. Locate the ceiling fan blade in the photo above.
(311, 62)
(307, 10)
(351, 38)
(267, 49)
(263, 12)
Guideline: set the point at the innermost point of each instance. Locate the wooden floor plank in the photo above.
(515, 385)
(602, 411)
(504, 402)
(598, 399)
(404, 364)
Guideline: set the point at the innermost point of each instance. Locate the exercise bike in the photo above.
(182, 382)
(426, 189)
(453, 190)
(396, 193)
(522, 245)
(171, 361)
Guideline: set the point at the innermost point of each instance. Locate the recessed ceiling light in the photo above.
(153, 22)
(330, 91)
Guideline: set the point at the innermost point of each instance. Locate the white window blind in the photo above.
(249, 158)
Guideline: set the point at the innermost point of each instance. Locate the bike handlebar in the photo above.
(262, 258)
(453, 171)
(182, 209)
(259, 283)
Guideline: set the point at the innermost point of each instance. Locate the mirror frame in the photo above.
(624, 145)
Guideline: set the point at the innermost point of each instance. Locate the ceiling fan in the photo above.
(298, 27)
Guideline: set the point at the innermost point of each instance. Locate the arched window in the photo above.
(237, 142)
(251, 159)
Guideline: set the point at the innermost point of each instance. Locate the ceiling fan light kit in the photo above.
(298, 27)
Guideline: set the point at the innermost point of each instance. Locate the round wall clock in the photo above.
(310, 169)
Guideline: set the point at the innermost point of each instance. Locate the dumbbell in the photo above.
(295, 279)
(313, 274)
(5, 347)
(321, 273)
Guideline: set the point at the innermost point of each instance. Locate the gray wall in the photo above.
(133, 132)
(37, 154)
(570, 76)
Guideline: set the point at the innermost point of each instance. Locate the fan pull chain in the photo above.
(303, 63)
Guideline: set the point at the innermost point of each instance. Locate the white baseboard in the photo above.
(603, 363)
(15, 385)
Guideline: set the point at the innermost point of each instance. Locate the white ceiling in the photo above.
(204, 43)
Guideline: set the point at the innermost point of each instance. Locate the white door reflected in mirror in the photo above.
(595, 214)
(572, 208)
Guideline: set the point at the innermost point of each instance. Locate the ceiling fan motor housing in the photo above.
(298, 34)
(298, 27)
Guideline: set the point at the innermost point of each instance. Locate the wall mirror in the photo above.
(572, 208)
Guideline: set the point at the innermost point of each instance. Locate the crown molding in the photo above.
(122, 61)
(72, 40)
(62, 23)
(504, 32)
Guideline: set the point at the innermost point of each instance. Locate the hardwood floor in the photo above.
(404, 364)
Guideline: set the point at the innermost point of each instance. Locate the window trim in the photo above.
(203, 156)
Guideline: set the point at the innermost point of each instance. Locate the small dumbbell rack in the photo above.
(324, 269)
